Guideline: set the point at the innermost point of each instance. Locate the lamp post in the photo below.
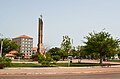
(1, 48)
(1, 45)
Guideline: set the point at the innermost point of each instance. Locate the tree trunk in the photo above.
(101, 59)
(79, 59)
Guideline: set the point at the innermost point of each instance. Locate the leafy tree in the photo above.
(55, 53)
(102, 43)
(18, 54)
(73, 52)
(8, 45)
(65, 46)
(118, 52)
(81, 52)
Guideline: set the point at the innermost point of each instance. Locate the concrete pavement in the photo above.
(74, 76)
(61, 70)
(57, 70)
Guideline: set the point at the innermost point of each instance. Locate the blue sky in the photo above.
(75, 18)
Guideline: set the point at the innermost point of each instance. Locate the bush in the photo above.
(2, 65)
(5, 62)
(44, 60)
(45, 63)
(34, 57)
(41, 58)
(54, 62)
(56, 57)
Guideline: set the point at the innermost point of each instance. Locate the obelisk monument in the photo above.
(40, 49)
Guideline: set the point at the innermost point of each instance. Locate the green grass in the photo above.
(29, 65)
(25, 65)
(77, 64)
(81, 64)
(59, 65)
(114, 60)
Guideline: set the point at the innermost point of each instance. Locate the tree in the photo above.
(118, 52)
(55, 53)
(66, 46)
(81, 52)
(101, 43)
(18, 55)
(8, 45)
(73, 52)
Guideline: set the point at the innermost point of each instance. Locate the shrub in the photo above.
(34, 57)
(41, 58)
(45, 63)
(44, 60)
(1, 66)
(5, 62)
(56, 57)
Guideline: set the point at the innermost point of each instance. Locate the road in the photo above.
(73, 76)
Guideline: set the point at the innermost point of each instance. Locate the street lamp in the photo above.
(1, 45)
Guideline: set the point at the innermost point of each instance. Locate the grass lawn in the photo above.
(114, 60)
(25, 65)
(59, 65)
(79, 64)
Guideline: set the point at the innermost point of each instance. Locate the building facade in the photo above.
(26, 45)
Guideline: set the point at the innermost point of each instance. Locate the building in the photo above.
(11, 54)
(34, 50)
(26, 45)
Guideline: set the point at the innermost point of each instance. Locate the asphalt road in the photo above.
(76, 76)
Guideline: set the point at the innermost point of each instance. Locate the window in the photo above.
(28, 42)
(28, 48)
(23, 39)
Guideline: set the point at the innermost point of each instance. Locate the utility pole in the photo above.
(1, 45)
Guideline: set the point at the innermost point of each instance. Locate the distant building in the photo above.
(11, 54)
(34, 50)
(26, 45)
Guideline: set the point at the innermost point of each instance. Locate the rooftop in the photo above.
(23, 36)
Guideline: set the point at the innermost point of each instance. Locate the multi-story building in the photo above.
(26, 45)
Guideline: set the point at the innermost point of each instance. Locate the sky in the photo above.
(75, 18)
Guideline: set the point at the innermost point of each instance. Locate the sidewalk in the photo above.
(61, 70)
(57, 70)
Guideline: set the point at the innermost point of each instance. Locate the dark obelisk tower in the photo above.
(40, 49)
